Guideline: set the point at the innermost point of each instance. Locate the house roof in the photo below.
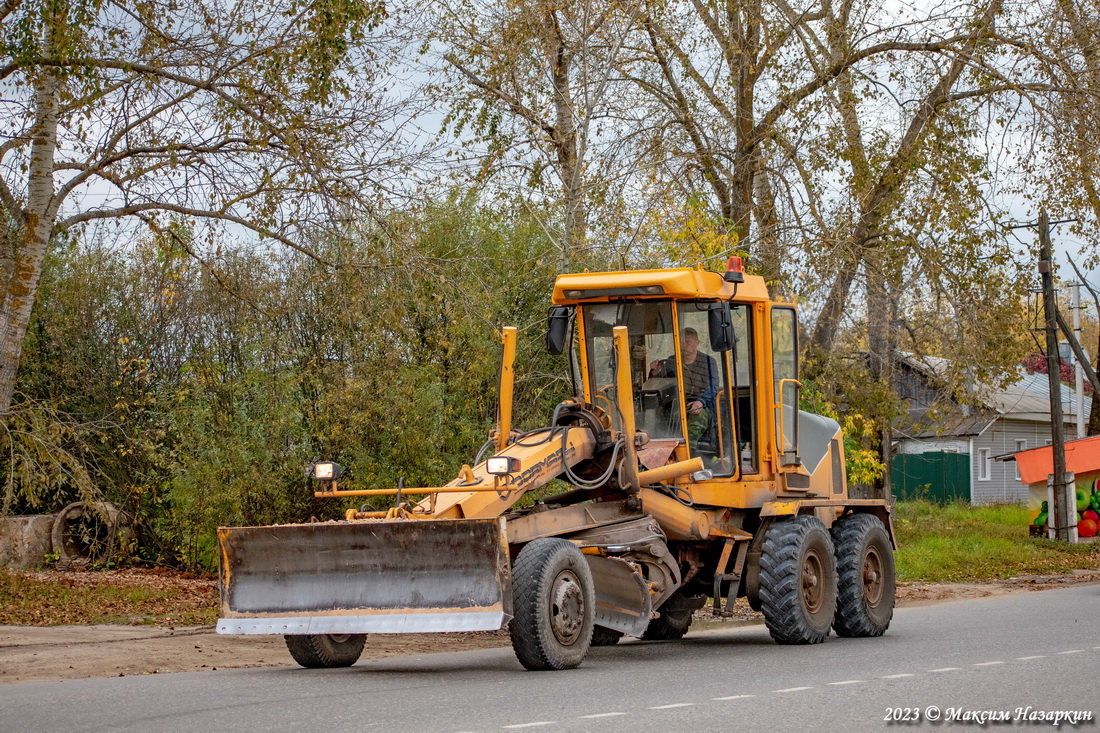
(1026, 398)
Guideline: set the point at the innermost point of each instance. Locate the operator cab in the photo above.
(697, 343)
(681, 383)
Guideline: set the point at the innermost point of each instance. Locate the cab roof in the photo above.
(681, 283)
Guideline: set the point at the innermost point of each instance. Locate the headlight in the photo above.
(501, 465)
(326, 471)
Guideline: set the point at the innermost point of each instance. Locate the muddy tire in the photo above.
(866, 582)
(325, 650)
(798, 581)
(553, 605)
(603, 636)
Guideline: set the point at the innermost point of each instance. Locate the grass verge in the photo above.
(108, 597)
(959, 542)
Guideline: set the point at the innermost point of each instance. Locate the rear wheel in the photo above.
(603, 636)
(553, 605)
(325, 650)
(866, 583)
(798, 581)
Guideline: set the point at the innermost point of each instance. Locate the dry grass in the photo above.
(132, 596)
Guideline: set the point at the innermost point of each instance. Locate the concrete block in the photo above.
(25, 541)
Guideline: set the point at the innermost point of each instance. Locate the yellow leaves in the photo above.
(693, 234)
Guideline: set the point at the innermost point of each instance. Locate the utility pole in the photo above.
(1060, 518)
(1078, 367)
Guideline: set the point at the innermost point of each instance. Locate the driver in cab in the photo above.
(700, 382)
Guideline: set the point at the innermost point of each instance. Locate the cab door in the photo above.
(783, 334)
(704, 379)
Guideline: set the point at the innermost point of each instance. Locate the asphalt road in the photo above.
(1015, 655)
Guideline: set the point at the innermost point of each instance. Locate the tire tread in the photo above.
(853, 617)
(318, 651)
(603, 636)
(780, 590)
(532, 641)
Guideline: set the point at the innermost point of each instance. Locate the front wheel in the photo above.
(674, 618)
(798, 583)
(553, 605)
(603, 636)
(866, 582)
(325, 650)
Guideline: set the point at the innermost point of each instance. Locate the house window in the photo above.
(1021, 445)
(984, 464)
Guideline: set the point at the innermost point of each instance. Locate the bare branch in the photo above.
(135, 209)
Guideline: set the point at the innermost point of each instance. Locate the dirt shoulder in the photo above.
(41, 653)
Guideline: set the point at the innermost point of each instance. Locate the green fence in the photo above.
(938, 477)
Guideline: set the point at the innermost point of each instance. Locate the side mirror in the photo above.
(557, 328)
(720, 325)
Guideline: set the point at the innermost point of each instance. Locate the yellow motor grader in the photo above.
(688, 473)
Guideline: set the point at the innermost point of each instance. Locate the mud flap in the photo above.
(623, 602)
(403, 576)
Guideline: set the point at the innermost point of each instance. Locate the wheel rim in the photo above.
(872, 577)
(566, 607)
(339, 638)
(813, 587)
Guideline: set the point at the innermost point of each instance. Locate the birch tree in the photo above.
(535, 82)
(258, 116)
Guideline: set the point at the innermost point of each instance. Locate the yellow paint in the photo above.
(671, 471)
(624, 394)
(584, 363)
(507, 381)
(780, 508)
(682, 283)
(225, 575)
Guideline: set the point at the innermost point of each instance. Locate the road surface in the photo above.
(1025, 655)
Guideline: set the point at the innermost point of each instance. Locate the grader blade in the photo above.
(402, 576)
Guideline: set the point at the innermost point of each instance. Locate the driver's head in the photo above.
(689, 342)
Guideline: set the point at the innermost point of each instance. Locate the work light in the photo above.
(326, 471)
(501, 465)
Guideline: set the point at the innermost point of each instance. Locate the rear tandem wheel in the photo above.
(798, 581)
(866, 584)
(319, 651)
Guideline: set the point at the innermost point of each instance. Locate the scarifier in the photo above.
(690, 471)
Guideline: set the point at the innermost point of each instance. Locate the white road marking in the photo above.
(529, 725)
(986, 664)
(1038, 656)
(847, 682)
(733, 697)
(896, 676)
(794, 689)
(1072, 651)
(602, 715)
(673, 705)
(945, 669)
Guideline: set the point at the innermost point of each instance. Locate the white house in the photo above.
(957, 443)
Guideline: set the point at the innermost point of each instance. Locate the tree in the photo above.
(537, 78)
(256, 116)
